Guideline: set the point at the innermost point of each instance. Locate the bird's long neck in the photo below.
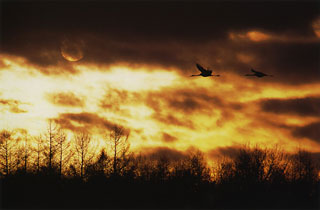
(195, 75)
(250, 75)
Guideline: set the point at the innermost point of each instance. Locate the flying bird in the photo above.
(258, 74)
(205, 72)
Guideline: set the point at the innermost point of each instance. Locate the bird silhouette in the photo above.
(204, 72)
(258, 74)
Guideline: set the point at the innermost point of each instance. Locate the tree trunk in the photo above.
(81, 168)
(7, 158)
(50, 147)
(115, 159)
(25, 156)
(38, 159)
(60, 168)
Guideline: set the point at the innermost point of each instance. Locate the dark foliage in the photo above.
(255, 179)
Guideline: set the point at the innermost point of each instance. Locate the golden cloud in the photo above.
(66, 99)
(12, 105)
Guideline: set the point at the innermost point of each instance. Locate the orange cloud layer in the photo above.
(163, 108)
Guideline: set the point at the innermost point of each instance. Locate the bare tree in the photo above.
(161, 169)
(63, 147)
(38, 150)
(6, 149)
(26, 152)
(100, 166)
(82, 142)
(198, 166)
(303, 168)
(50, 144)
(276, 167)
(23, 153)
(118, 140)
(224, 170)
(250, 164)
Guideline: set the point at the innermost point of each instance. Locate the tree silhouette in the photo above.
(6, 150)
(22, 150)
(303, 167)
(82, 143)
(63, 146)
(26, 151)
(38, 149)
(250, 164)
(50, 145)
(118, 139)
(276, 167)
(192, 170)
(269, 178)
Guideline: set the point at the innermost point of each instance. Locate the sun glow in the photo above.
(128, 79)
(316, 27)
(254, 36)
(149, 101)
(258, 36)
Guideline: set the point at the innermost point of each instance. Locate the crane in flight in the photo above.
(205, 72)
(258, 74)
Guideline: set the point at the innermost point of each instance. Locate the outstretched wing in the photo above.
(258, 73)
(254, 71)
(201, 68)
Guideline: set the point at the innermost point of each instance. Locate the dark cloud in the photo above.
(12, 105)
(167, 34)
(168, 138)
(161, 152)
(228, 151)
(170, 119)
(311, 131)
(65, 99)
(171, 106)
(161, 102)
(127, 21)
(185, 104)
(308, 106)
(274, 123)
(225, 116)
(189, 101)
(155, 101)
(114, 98)
(289, 62)
(182, 103)
(86, 120)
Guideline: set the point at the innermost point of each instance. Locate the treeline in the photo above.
(52, 171)
(54, 152)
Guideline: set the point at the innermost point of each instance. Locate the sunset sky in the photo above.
(95, 64)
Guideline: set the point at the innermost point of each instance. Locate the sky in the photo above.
(93, 64)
